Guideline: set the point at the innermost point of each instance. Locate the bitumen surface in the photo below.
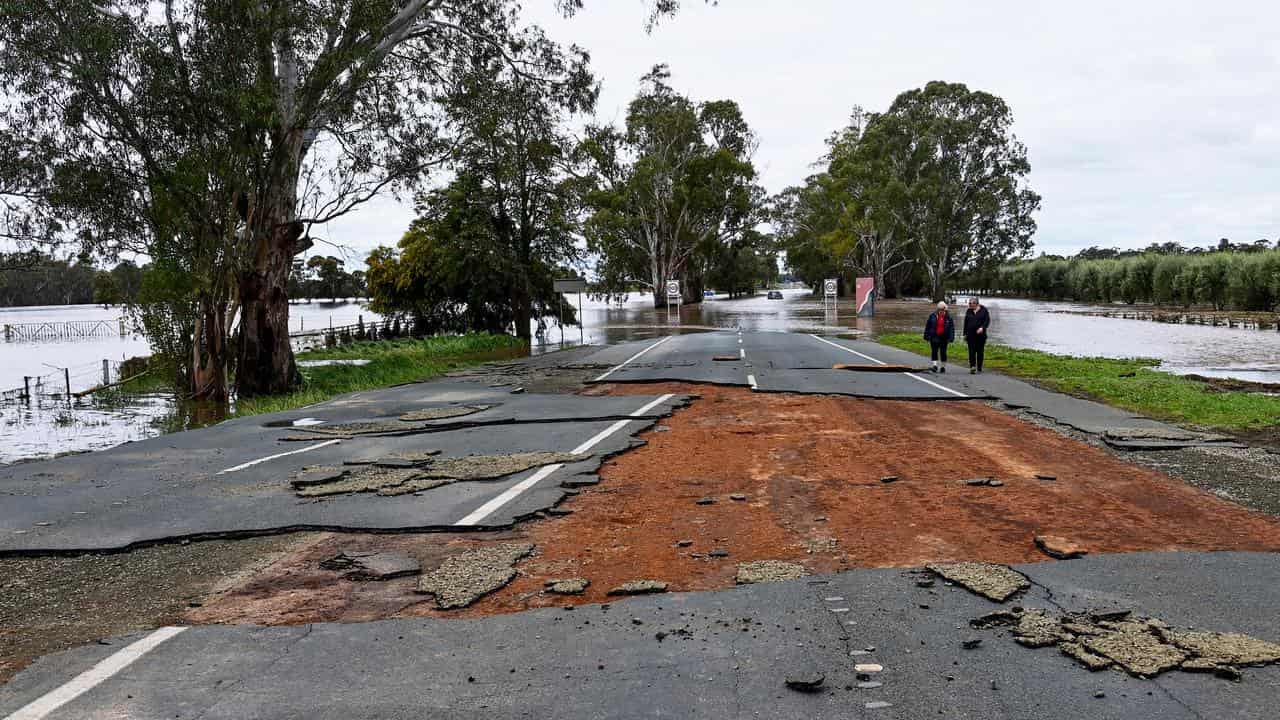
(722, 654)
(725, 654)
(233, 479)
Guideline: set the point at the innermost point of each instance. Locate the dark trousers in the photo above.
(938, 350)
(977, 348)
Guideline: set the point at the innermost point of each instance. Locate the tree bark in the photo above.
(265, 363)
(208, 380)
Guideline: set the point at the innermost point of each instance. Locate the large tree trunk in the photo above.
(265, 364)
(524, 295)
(209, 352)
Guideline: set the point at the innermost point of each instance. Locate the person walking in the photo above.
(976, 322)
(939, 331)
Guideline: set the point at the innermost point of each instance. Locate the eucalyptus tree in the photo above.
(953, 175)
(668, 188)
(257, 118)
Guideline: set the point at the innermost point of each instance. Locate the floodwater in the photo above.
(51, 423)
(1061, 328)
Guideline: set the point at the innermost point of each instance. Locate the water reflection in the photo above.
(52, 425)
(1061, 328)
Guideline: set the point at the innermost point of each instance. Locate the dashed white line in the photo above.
(94, 676)
(251, 463)
(613, 370)
(742, 353)
(926, 381)
(511, 493)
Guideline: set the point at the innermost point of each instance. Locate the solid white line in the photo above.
(94, 676)
(516, 490)
(751, 380)
(855, 352)
(251, 463)
(926, 381)
(612, 370)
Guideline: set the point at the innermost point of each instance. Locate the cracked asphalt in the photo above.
(882, 642)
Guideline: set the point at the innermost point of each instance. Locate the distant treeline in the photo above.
(34, 278)
(1239, 278)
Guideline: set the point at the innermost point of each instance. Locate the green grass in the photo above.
(1132, 384)
(392, 362)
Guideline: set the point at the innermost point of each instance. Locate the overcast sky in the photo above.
(1145, 121)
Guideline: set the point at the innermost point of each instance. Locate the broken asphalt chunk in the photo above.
(806, 682)
(639, 587)
(376, 566)
(469, 576)
(994, 582)
(1223, 648)
(705, 501)
(1059, 547)
(568, 586)
(1139, 652)
(440, 413)
(761, 571)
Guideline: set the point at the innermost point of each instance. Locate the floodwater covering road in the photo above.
(779, 534)
(55, 427)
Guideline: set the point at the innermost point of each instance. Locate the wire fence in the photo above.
(66, 383)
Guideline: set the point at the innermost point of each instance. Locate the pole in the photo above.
(106, 371)
(122, 326)
(66, 375)
(561, 319)
(582, 338)
(26, 387)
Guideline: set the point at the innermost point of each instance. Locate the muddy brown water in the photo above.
(53, 426)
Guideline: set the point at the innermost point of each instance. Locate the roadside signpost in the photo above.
(830, 291)
(865, 297)
(673, 296)
(572, 285)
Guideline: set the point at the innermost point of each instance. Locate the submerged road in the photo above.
(721, 654)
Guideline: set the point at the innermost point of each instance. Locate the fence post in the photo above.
(26, 387)
(8, 332)
(106, 371)
(122, 326)
(66, 375)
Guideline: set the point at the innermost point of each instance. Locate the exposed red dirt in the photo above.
(810, 468)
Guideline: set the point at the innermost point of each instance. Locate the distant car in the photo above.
(708, 293)
(775, 294)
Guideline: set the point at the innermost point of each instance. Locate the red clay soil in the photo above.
(810, 468)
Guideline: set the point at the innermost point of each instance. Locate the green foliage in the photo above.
(673, 195)
(393, 362)
(1247, 281)
(934, 186)
(1132, 384)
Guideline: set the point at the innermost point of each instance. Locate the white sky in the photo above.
(1145, 121)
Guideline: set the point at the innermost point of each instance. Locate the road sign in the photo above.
(865, 300)
(829, 287)
(673, 289)
(571, 285)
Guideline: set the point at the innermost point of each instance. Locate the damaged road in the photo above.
(236, 479)
(763, 493)
(710, 655)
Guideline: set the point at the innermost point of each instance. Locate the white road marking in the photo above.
(612, 370)
(926, 381)
(519, 488)
(742, 353)
(94, 676)
(751, 380)
(307, 422)
(251, 463)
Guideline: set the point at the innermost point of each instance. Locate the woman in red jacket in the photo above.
(939, 330)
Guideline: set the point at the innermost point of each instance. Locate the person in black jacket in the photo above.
(976, 322)
(939, 330)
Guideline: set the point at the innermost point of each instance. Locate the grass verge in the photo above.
(392, 362)
(1132, 384)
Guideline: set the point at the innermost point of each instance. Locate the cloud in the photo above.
(1145, 121)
